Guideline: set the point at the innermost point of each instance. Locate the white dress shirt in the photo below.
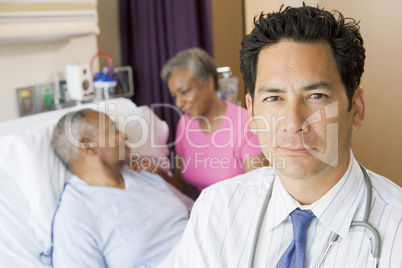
(224, 218)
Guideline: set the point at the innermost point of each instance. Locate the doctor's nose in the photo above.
(295, 119)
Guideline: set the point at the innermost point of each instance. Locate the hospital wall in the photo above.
(109, 37)
(228, 30)
(26, 64)
(30, 63)
(378, 143)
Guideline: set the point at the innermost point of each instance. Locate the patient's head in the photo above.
(87, 135)
(76, 124)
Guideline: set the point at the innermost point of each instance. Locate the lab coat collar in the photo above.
(335, 209)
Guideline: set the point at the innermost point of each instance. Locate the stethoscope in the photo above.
(335, 237)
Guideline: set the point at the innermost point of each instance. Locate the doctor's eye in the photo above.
(317, 96)
(272, 98)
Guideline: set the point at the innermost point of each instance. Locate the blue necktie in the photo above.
(295, 254)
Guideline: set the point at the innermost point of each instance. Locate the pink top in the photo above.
(213, 157)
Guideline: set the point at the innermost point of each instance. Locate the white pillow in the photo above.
(147, 135)
(28, 159)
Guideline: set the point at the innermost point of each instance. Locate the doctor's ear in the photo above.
(358, 107)
(249, 104)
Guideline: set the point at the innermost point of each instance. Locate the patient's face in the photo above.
(111, 148)
(191, 96)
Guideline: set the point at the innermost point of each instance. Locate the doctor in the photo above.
(302, 67)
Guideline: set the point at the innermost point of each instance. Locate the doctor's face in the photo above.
(300, 110)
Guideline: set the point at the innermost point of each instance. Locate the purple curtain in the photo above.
(151, 32)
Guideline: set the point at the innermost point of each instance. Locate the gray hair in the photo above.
(197, 61)
(64, 146)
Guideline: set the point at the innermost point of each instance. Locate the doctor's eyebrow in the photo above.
(322, 85)
(264, 90)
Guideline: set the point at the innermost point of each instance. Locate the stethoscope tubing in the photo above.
(335, 237)
(259, 223)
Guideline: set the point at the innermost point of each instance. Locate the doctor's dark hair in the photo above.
(306, 25)
(197, 61)
(66, 148)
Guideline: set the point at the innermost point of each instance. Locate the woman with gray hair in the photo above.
(213, 138)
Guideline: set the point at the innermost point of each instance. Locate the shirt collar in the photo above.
(125, 173)
(335, 209)
(75, 180)
(280, 205)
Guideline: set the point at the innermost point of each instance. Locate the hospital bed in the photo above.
(32, 177)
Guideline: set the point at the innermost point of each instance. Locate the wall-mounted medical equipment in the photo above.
(80, 86)
(104, 81)
(79, 82)
(42, 97)
(112, 82)
(26, 101)
(228, 85)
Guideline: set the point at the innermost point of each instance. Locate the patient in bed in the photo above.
(109, 215)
